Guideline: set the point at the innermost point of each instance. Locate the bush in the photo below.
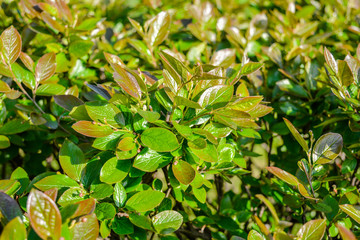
(178, 120)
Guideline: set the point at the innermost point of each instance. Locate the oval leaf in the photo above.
(90, 129)
(45, 67)
(44, 215)
(183, 172)
(159, 139)
(11, 44)
(145, 200)
(167, 222)
(312, 230)
(327, 148)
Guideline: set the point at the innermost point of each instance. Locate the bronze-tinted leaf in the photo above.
(44, 215)
(27, 61)
(283, 175)
(45, 67)
(312, 230)
(11, 45)
(159, 29)
(327, 148)
(183, 172)
(345, 233)
(87, 228)
(351, 211)
(330, 60)
(91, 129)
(127, 81)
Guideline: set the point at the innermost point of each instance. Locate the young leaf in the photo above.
(87, 228)
(297, 135)
(312, 230)
(167, 222)
(330, 60)
(45, 67)
(159, 29)
(183, 172)
(127, 81)
(327, 148)
(10, 44)
(55, 181)
(27, 61)
(283, 175)
(345, 233)
(216, 96)
(250, 67)
(119, 195)
(67, 102)
(44, 215)
(90, 129)
(145, 200)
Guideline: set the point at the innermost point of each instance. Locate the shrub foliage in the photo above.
(179, 120)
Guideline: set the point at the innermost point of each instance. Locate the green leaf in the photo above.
(50, 89)
(15, 229)
(9, 208)
(107, 143)
(159, 29)
(105, 211)
(207, 154)
(101, 191)
(91, 129)
(104, 112)
(87, 228)
(10, 44)
(246, 104)
(141, 221)
(254, 235)
(177, 70)
(122, 226)
(67, 102)
(297, 135)
(327, 148)
(24, 76)
(55, 181)
(149, 116)
(224, 57)
(4, 142)
(126, 144)
(351, 211)
(270, 206)
(288, 86)
(216, 97)
(344, 73)
(181, 101)
(159, 139)
(114, 170)
(149, 160)
(72, 160)
(283, 175)
(312, 230)
(71, 196)
(14, 126)
(44, 215)
(22, 177)
(145, 200)
(9, 186)
(80, 48)
(183, 172)
(45, 67)
(167, 222)
(250, 67)
(119, 195)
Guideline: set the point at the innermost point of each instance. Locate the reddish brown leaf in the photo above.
(127, 81)
(89, 129)
(183, 172)
(27, 61)
(45, 67)
(11, 44)
(345, 233)
(44, 215)
(85, 207)
(52, 193)
(283, 175)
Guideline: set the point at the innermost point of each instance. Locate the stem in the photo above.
(24, 91)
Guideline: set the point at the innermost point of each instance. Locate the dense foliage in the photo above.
(180, 120)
